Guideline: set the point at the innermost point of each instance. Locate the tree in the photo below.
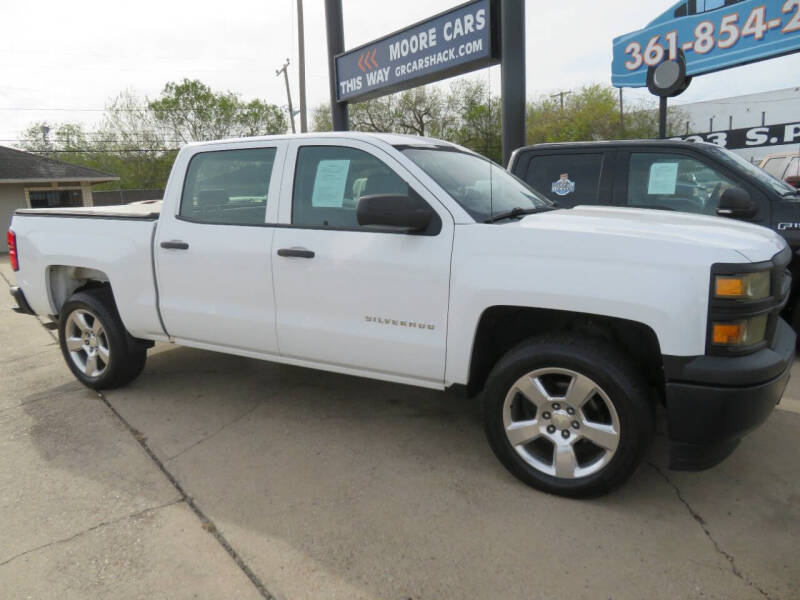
(190, 111)
(137, 138)
(473, 118)
(590, 114)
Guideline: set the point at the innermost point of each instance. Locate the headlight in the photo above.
(746, 332)
(748, 286)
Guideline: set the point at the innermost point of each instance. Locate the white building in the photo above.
(747, 112)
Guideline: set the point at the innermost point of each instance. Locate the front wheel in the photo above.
(97, 348)
(568, 415)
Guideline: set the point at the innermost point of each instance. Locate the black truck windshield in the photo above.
(737, 162)
(481, 187)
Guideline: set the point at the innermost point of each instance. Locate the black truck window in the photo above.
(674, 182)
(569, 179)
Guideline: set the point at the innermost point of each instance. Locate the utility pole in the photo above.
(301, 55)
(561, 95)
(285, 70)
(621, 115)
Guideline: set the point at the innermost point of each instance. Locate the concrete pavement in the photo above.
(211, 475)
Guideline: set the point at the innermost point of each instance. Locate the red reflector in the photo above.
(12, 251)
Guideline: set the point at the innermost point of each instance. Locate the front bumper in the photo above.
(713, 401)
(22, 306)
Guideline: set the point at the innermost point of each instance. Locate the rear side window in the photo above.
(794, 168)
(776, 166)
(569, 179)
(228, 187)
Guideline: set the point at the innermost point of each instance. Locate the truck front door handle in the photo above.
(175, 245)
(296, 253)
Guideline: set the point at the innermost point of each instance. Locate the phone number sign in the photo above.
(753, 137)
(711, 35)
(449, 44)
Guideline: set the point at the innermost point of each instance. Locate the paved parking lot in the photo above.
(214, 476)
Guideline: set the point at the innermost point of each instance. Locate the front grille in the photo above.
(721, 310)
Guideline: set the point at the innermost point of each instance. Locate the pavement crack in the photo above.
(205, 521)
(91, 529)
(211, 435)
(704, 526)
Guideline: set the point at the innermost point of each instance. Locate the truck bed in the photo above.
(108, 243)
(147, 211)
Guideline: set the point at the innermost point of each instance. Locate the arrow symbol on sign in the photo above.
(372, 58)
(361, 63)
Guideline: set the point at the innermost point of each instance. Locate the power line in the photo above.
(61, 109)
(117, 150)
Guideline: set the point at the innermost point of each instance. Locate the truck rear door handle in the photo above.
(296, 253)
(175, 245)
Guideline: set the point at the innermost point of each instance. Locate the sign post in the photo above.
(335, 31)
(513, 76)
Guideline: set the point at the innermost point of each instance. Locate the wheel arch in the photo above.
(63, 281)
(500, 328)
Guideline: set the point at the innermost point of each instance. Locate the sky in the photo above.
(74, 56)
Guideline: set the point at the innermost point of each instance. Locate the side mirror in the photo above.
(737, 204)
(395, 211)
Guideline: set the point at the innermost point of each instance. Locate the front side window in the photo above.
(736, 162)
(228, 187)
(330, 180)
(674, 182)
(481, 187)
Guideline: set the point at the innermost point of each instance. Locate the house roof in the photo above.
(17, 166)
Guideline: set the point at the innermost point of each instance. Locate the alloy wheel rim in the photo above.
(561, 423)
(87, 343)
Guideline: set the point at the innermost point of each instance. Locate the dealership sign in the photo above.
(710, 35)
(753, 137)
(451, 43)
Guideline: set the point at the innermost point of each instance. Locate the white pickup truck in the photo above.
(416, 261)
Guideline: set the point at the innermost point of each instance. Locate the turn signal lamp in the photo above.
(749, 286)
(12, 250)
(728, 334)
(747, 332)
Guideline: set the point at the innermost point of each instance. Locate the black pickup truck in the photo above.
(689, 177)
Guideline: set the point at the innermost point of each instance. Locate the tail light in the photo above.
(13, 258)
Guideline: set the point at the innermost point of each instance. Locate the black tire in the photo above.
(620, 383)
(126, 354)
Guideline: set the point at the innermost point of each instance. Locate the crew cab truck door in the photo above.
(679, 180)
(212, 247)
(368, 298)
(567, 177)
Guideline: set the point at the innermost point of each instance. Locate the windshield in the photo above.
(737, 162)
(481, 187)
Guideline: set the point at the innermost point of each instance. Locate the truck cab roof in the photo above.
(614, 144)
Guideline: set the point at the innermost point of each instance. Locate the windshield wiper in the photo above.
(517, 212)
(787, 194)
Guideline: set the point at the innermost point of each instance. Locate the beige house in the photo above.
(31, 181)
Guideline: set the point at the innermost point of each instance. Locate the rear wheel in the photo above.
(97, 348)
(568, 415)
